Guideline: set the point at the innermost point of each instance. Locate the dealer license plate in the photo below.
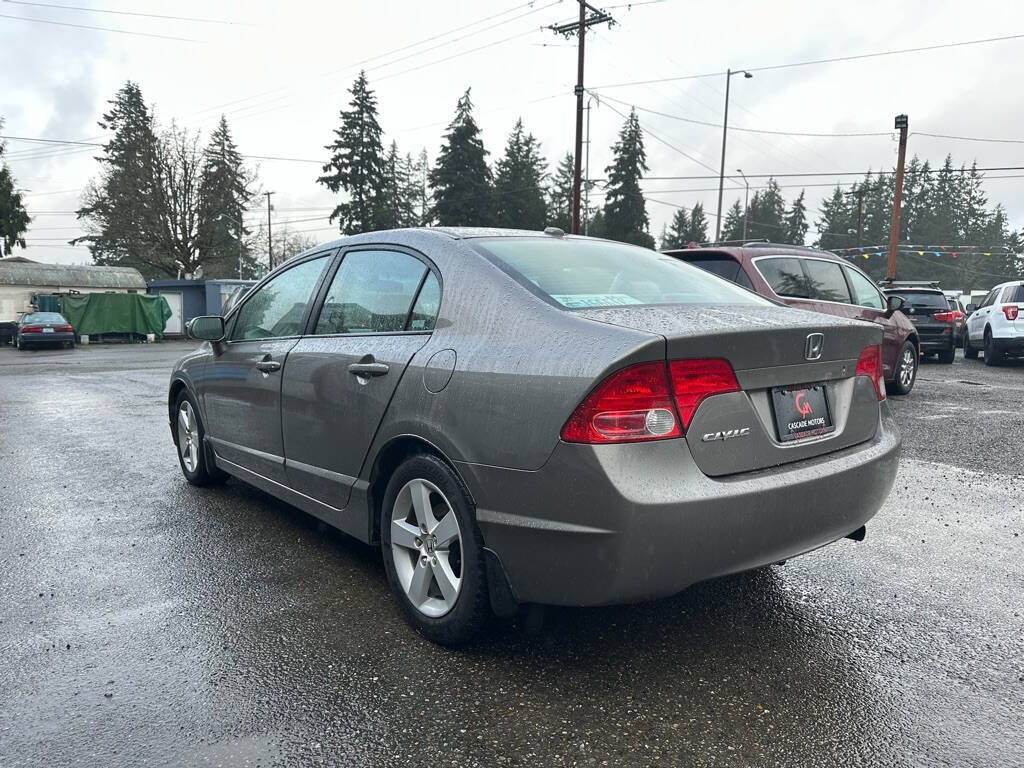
(801, 412)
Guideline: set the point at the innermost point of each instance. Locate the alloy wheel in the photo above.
(188, 436)
(426, 545)
(907, 368)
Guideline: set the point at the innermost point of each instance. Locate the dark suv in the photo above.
(928, 309)
(823, 282)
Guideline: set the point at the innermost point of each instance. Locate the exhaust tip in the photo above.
(859, 534)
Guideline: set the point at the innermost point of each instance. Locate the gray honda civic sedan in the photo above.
(523, 417)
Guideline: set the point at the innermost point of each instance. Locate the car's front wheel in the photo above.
(433, 551)
(906, 370)
(190, 439)
(992, 355)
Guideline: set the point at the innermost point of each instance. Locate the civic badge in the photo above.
(814, 346)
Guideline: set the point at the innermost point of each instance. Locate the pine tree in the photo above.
(519, 183)
(560, 197)
(676, 236)
(14, 220)
(833, 221)
(796, 221)
(225, 193)
(395, 205)
(356, 167)
(732, 224)
(625, 210)
(463, 195)
(698, 232)
(419, 190)
(121, 208)
(767, 219)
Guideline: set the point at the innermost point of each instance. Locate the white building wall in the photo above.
(14, 299)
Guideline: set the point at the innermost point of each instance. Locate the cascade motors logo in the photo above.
(802, 406)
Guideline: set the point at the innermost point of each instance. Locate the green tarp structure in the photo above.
(93, 314)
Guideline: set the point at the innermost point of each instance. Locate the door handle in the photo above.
(268, 366)
(369, 369)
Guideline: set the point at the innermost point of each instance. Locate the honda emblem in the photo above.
(815, 344)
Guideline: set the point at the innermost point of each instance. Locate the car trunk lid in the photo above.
(786, 360)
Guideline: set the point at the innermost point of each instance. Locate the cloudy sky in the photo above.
(280, 73)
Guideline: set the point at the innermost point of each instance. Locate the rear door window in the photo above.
(372, 292)
(1013, 294)
(864, 292)
(825, 281)
(785, 275)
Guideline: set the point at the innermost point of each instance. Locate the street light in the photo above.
(232, 219)
(725, 129)
(746, 205)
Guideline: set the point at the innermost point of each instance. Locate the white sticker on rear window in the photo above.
(581, 300)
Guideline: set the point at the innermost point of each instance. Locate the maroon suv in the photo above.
(823, 282)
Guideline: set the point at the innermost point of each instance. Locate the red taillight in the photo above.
(64, 329)
(944, 317)
(694, 380)
(870, 364)
(631, 404)
(646, 401)
(1011, 312)
(31, 329)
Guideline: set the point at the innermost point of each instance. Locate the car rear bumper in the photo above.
(42, 339)
(621, 523)
(1013, 345)
(936, 341)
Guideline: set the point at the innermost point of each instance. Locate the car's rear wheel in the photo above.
(947, 356)
(190, 439)
(970, 351)
(992, 355)
(433, 551)
(906, 370)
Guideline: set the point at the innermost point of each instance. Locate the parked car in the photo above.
(41, 329)
(959, 319)
(928, 309)
(520, 417)
(996, 327)
(817, 280)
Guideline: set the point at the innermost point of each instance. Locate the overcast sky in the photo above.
(280, 72)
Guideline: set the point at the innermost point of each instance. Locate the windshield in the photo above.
(577, 274)
(924, 299)
(44, 317)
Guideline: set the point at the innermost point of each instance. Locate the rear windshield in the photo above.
(1014, 295)
(719, 264)
(577, 274)
(924, 299)
(44, 317)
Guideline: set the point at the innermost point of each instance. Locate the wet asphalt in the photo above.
(144, 622)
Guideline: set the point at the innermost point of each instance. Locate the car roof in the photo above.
(754, 250)
(915, 289)
(426, 234)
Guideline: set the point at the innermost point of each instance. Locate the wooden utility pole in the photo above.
(579, 28)
(897, 198)
(270, 236)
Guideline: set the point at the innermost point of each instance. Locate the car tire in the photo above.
(906, 370)
(948, 356)
(992, 355)
(970, 352)
(433, 551)
(194, 459)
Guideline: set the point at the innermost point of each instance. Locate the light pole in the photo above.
(238, 223)
(725, 130)
(746, 204)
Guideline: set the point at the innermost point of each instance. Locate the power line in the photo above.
(737, 128)
(812, 62)
(98, 29)
(967, 138)
(123, 13)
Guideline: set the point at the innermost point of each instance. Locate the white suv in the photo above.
(997, 326)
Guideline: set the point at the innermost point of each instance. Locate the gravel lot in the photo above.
(146, 622)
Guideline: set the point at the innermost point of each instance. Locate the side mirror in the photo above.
(971, 308)
(894, 303)
(205, 328)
